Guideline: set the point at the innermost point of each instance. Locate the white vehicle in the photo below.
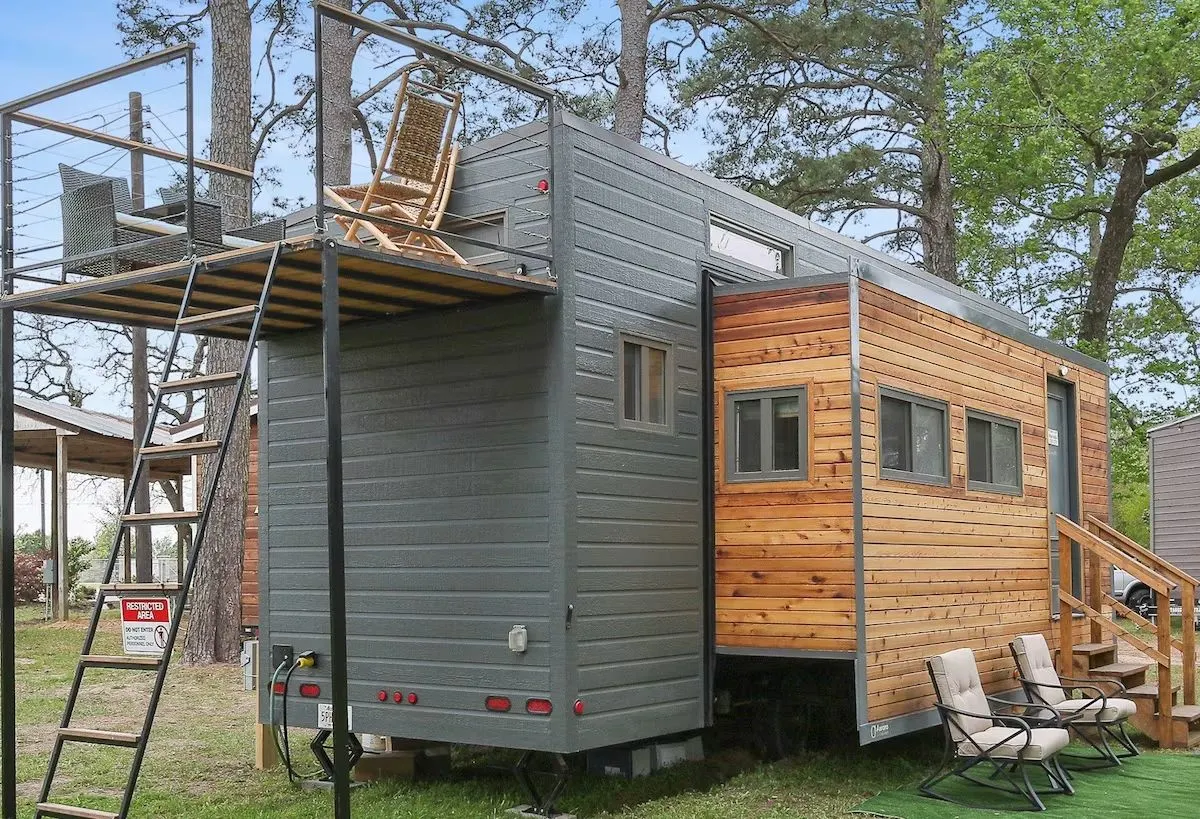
(1138, 596)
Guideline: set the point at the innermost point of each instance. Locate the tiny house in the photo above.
(1175, 492)
(732, 447)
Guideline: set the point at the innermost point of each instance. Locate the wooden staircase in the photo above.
(1160, 714)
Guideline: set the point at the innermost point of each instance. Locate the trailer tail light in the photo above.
(279, 688)
(382, 696)
(543, 185)
(412, 698)
(398, 697)
(310, 690)
(538, 706)
(579, 708)
(501, 704)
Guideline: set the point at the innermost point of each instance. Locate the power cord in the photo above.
(279, 729)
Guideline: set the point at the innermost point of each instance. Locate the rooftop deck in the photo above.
(373, 284)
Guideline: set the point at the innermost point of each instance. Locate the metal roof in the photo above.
(1173, 423)
(77, 419)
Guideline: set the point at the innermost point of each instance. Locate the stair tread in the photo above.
(1186, 713)
(1121, 669)
(119, 660)
(1093, 648)
(174, 450)
(1149, 690)
(185, 516)
(100, 737)
(217, 317)
(199, 382)
(56, 809)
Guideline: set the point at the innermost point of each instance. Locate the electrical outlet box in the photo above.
(282, 655)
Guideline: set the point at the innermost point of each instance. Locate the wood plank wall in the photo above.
(250, 556)
(785, 549)
(947, 567)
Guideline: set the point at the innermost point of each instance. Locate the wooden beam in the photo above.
(128, 144)
(61, 473)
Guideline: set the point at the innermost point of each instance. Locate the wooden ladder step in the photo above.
(200, 382)
(141, 588)
(120, 661)
(1148, 691)
(217, 318)
(186, 516)
(71, 812)
(119, 738)
(152, 453)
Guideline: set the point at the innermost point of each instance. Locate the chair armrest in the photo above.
(1035, 712)
(1019, 726)
(1099, 698)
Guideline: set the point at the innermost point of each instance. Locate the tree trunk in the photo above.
(143, 548)
(1106, 272)
(214, 630)
(938, 230)
(629, 108)
(337, 59)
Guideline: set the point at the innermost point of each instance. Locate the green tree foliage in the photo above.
(837, 111)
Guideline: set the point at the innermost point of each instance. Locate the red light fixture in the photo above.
(579, 708)
(501, 704)
(543, 185)
(310, 690)
(279, 688)
(412, 698)
(382, 696)
(398, 696)
(538, 706)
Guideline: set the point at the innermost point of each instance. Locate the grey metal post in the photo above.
(62, 462)
(8, 603)
(319, 100)
(332, 373)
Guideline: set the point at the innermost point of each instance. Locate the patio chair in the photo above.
(1095, 717)
(977, 738)
(413, 178)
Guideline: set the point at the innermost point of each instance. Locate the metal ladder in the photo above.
(184, 323)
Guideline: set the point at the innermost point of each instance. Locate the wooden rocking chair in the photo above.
(413, 178)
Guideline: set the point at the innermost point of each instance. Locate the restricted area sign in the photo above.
(144, 624)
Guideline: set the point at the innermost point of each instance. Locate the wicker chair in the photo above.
(975, 736)
(90, 204)
(413, 179)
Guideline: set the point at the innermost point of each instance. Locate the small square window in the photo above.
(645, 384)
(993, 453)
(767, 435)
(913, 438)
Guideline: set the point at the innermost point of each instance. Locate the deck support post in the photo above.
(61, 539)
(332, 364)
(1066, 622)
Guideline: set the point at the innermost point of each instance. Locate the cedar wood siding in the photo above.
(946, 567)
(1175, 502)
(785, 549)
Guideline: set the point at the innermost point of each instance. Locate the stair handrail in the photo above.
(1187, 598)
(1115, 554)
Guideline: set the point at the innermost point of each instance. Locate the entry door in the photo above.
(1064, 477)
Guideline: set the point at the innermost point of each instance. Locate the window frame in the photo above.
(1000, 420)
(891, 474)
(668, 425)
(766, 435)
(716, 220)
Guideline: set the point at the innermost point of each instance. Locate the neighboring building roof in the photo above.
(1176, 422)
(105, 444)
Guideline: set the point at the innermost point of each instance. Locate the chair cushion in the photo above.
(956, 683)
(1010, 743)
(1115, 709)
(1035, 663)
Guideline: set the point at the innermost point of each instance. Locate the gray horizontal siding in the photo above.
(447, 477)
(639, 635)
(1175, 496)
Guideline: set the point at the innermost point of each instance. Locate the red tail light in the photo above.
(498, 704)
(543, 185)
(382, 696)
(579, 708)
(538, 706)
(279, 688)
(310, 690)
(398, 696)
(412, 699)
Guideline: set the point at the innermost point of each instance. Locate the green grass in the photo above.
(200, 758)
